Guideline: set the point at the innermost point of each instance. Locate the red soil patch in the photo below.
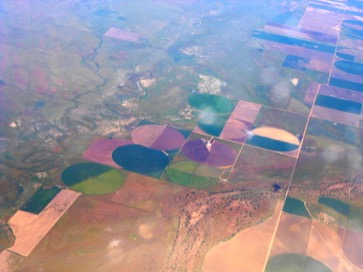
(148, 194)
(101, 150)
(157, 137)
(208, 219)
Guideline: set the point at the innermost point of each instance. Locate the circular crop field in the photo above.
(141, 159)
(214, 111)
(218, 155)
(191, 174)
(212, 123)
(92, 178)
(273, 139)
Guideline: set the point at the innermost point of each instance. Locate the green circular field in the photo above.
(291, 262)
(92, 178)
(212, 123)
(215, 111)
(191, 174)
(214, 103)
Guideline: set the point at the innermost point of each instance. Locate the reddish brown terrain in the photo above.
(246, 251)
(208, 219)
(148, 224)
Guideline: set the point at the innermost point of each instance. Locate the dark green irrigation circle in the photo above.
(140, 159)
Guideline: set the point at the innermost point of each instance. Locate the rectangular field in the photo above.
(29, 229)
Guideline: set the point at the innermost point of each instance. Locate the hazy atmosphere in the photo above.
(181, 136)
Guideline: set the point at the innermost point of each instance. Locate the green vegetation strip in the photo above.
(295, 206)
(182, 173)
(40, 200)
(355, 218)
(290, 262)
(335, 204)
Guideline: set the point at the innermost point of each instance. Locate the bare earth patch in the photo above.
(300, 235)
(29, 229)
(9, 261)
(292, 235)
(208, 219)
(247, 251)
